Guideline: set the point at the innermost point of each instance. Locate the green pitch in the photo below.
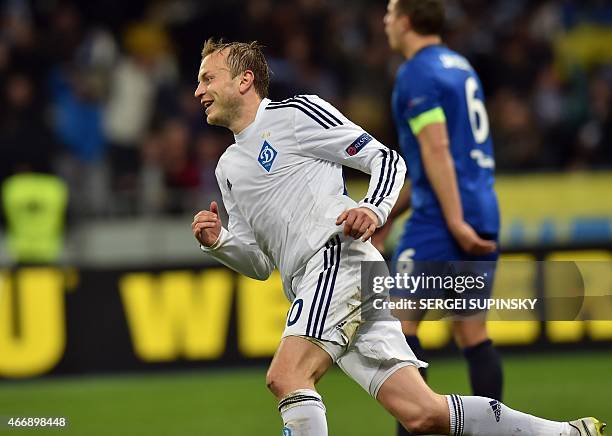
(236, 402)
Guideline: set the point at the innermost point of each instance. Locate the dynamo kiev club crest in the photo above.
(267, 156)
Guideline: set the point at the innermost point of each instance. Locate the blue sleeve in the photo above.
(422, 97)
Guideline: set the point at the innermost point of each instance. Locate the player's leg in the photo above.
(382, 363)
(410, 329)
(403, 262)
(422, 411)
(416, 407)
(470, 332)
(311, 342)
(406, 396)
(296, 367)
(484, 362)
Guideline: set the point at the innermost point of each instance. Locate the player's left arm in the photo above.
(440, 169)
(423, 111)
(347, 144)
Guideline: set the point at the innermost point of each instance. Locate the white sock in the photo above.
(480, 416)
(303, 414)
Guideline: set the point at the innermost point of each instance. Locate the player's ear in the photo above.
(405, 23)
(246, 81)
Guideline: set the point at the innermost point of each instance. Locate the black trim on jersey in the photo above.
(301, 108)
(394, 174)
(333, 283)
(385, 192)
(314, 107)
(320, 107)
(380, 177)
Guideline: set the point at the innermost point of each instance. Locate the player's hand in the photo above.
(359, 222)
(379, 237)
(470, 242)
(206, 225)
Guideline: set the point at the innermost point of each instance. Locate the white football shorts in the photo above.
(327, 311)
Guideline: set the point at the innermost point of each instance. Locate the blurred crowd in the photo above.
(100, 93)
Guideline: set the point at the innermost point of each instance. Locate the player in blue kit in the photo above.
(439, 111)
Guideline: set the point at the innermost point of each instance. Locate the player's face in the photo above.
(217, 91)
(393, 27)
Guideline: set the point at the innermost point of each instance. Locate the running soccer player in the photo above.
(444, 136)
(282, 187)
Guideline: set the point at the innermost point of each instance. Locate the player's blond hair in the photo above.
(243, 56)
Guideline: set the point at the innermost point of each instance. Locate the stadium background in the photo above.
(118, 323)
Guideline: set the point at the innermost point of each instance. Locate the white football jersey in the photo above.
(283, 186)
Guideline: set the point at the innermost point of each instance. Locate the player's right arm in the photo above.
(234, 247)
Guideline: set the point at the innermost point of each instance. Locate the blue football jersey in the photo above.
(439, 85)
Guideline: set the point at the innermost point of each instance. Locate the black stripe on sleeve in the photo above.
(390, 177)
(315, 109)
(382, 174)
(299, 107)
(394, 174)
(303, 97)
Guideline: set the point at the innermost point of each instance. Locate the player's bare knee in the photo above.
(275, 383)
(281, 383)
